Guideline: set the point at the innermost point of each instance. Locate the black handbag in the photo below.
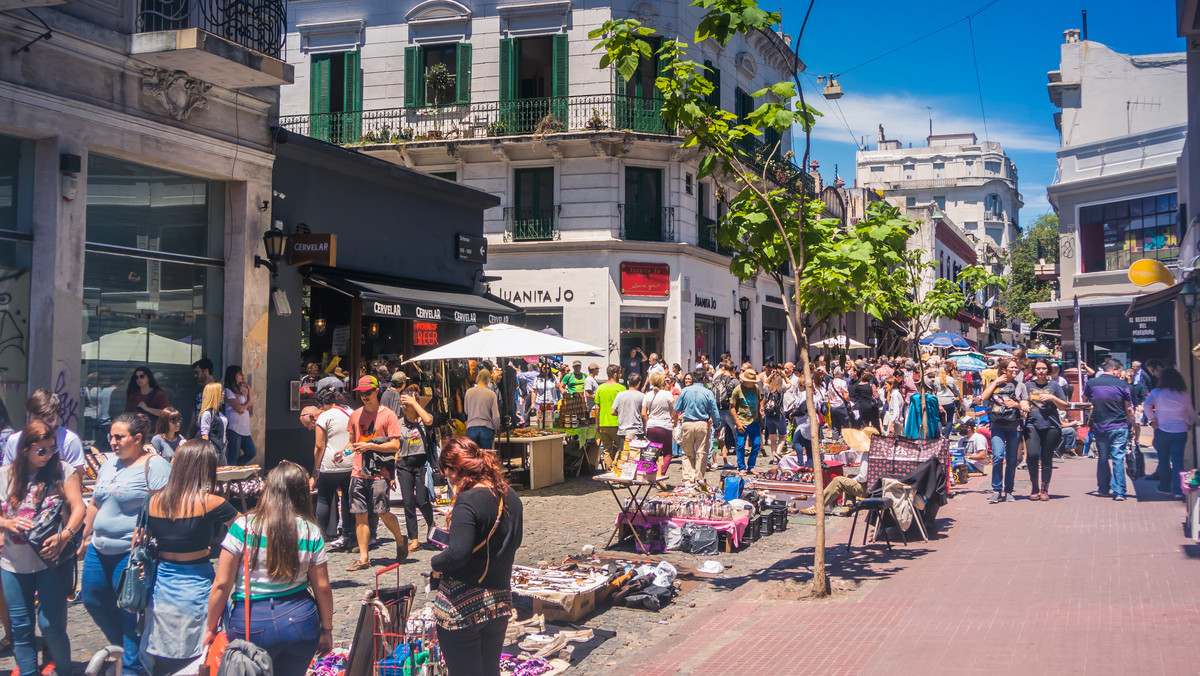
(48, 523)
(137, 580)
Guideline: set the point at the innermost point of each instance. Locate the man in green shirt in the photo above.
(574, 405)
(606, 422)
(575, 379)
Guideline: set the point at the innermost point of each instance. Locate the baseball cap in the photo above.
(367, 383)
(576, 363)
(399, 377)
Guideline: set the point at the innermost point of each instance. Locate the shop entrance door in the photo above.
(644, 331)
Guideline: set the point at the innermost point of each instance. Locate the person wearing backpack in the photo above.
(774, 424)
(1005, 396)
(722, 388)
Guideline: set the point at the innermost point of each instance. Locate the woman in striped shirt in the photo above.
(286, 557)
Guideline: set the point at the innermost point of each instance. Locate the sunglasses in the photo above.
(140, 376)
(48, 450)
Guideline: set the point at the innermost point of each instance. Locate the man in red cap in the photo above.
(373, 429)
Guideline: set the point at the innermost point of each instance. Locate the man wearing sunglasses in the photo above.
(44, 406)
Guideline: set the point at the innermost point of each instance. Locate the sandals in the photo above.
(358, 565)
(552, 648)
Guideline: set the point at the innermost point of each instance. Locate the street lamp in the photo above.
(744, 304)
(833, 90)
(274, 242)
(1188, 294)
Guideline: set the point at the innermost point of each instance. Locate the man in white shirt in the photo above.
(656, 366)
(628, 407)
(591, 383)
(44, 406)
(842, 485)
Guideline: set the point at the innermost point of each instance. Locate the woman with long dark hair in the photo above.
(239, 447)
(1044, 397)
(331, 467)
(474, 597)
(286, 554)
(1170, 412)
(143, 395)
(185, 518)
(33, 483)
(166, 434)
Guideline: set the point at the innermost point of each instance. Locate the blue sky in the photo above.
(1017, 42)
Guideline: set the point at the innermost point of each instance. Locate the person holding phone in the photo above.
(1045, 397)
(1005, 395)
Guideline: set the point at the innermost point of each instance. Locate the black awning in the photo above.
(408, 299)
(1149, 300)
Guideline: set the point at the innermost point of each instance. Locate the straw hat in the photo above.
(749, 376)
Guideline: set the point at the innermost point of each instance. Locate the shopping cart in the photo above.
(383, 646)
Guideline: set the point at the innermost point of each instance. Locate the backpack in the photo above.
(722, 389)
(773, 404)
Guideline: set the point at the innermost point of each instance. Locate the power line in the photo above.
(913, 42)
(978, 81)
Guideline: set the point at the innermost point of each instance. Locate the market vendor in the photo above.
(841, 485)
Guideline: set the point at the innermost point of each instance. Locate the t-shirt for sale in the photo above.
(628, 408)
(1043, 414)
(364, 426)
(606, 394)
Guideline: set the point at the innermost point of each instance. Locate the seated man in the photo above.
(855, 488)
(975, 447)
(1070, 436)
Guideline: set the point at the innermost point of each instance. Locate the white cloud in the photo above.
(905, 118)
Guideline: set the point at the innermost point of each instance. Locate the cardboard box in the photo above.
(573, 608)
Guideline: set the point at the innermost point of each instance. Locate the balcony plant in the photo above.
(596, 122)
(438, 81)
(548, 125)
(498, 128)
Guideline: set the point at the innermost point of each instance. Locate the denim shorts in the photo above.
(774, 425)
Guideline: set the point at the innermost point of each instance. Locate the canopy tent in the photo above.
(999, 353)
(945, 340)
(969, 363)
(966, 353)
(504, 340)
(139, 345)
(840, 341)
(1001, 346)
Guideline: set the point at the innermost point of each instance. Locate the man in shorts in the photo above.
(375, 429)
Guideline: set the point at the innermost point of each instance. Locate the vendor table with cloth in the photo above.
(638, 491)
(736, 527)
(1192, 496)
(591, 452)
(543, 457)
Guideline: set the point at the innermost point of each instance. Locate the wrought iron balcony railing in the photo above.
(259, 25)
(708, 236)
(647, 224)
(528, 224)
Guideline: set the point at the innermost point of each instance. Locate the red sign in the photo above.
(425, 334)
(646, 279)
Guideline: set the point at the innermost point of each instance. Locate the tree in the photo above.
(1038, 242)
(835, 268)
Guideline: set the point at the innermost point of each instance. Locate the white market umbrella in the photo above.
(503, 340)
(840, 341)
(999, 353)
(139, 345)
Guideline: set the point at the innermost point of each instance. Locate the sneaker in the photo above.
(1178, 496)
(1118, 498)
(337, 544)
(1008, 497)
(996, 497)
(1162, 492)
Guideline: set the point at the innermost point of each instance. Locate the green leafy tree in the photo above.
(772, 225)
(1038, 242)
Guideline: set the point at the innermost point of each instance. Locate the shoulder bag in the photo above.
(51, 522)
(137, 580)
(223, 645)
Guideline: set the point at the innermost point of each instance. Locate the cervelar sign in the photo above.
(430, 313)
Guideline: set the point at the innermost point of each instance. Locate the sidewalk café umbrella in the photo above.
(969, 363)
(1001, 346)
(840, 341)
(944, 340)
(966, 353)
(503, 340)
(139, 345)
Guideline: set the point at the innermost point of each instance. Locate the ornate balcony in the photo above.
(642, 224)
(530, 224)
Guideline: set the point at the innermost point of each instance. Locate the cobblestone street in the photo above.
(559, 521)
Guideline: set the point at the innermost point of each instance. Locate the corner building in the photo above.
(603, 232)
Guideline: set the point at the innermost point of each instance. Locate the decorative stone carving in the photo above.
(177, 92)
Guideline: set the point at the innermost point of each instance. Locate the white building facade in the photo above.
(1123, 123)
(603, 233)
(973, 183)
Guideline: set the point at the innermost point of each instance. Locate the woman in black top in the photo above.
(185, 519)
(474, 596)
(1045, 397)
(862, 395)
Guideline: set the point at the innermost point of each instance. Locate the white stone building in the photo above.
(135, 188)
(1123, 123)
(973, 183)
(603, 232)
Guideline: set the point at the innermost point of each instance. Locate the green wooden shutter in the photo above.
(351, 119)
(560, 53)
(508, 69)
(714, 76)
(412, 78)
(462, 79)
(741, 105)
(319, 96)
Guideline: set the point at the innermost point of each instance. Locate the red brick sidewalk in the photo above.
(1081, 584)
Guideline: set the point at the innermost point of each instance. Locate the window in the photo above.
(937, 166)
(910, 202)
(533, 201)
(688, 183)
(1113, 235)
(643, 205)
(877, 170)
(533, 71)
(448, 175)
(713, 75)
(908, 171)
(153, 282)
(336, 97)
(537, 319)
(993, 208)
(970, 225)
(940, 200)
(991, 167)
(454, 87)
(16, 254)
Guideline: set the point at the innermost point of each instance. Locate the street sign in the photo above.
(471, 249)
(312, 248)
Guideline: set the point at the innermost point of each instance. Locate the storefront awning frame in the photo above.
(398, 298)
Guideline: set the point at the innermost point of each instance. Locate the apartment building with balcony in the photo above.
(604, 232)
(973, 183)
(1123, 125)
(135, 188)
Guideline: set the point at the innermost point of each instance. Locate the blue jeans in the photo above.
(1006, 445)
(239, 449)
(482, 436)
(753, 433)
(288, 628)
(99, 578)
(51, 602)
(1169, 446)
(1110, 444)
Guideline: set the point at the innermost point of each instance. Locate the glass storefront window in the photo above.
(1114, 235)
(142, 305)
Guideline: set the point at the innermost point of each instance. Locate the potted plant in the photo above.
(548, 125)
(595, 122)
(438, 81)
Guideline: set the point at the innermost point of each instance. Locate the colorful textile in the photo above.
(459, 605)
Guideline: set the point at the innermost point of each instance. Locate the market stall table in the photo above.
(543, 457)
(1192, 496)
(584, 435)
(736, 527)
(634, 508)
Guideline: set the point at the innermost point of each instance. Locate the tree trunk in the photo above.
(820, 582)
